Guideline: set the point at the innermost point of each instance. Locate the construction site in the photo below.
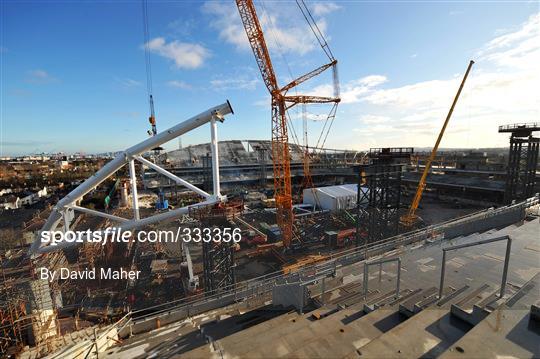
(385, 252)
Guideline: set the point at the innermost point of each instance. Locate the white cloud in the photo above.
(324, 8)
(284, 33)
(179, 84)
(127, 82)
(502, 88)
(531, 29)
(185, 55)
(234, 84)
(352, 91)
(372, 119)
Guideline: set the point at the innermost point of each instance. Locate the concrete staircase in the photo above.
(468, 321)
(414, 324)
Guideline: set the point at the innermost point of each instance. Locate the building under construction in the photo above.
(387, 252)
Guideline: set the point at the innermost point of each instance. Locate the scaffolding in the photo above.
(378, 200)
(522, 161)
(218, 266)
(379, 194)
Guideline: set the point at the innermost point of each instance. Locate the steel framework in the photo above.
(64, 209)
(218, 266)
(378, 201)
(522, 161)
(207, 172)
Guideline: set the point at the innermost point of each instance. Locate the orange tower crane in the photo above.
(410, 218)
(280, 103)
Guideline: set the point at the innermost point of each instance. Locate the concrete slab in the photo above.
(427, 334)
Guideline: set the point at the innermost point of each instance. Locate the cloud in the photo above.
(182, 27)
(352, 91)
(185, 55)
(372, 119)
(234, 84)
(39, 76)
(179, 84)
(324, 8)
(502, 88)
(127, 82)
(529, 30)
(284, 33)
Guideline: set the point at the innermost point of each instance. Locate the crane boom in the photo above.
(410, 218)
(280, 103)
(255, 35)
(280, 138)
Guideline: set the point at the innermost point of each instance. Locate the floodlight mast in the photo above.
(69, 202)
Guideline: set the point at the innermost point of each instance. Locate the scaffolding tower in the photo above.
(522, 160)
(379, 194)
(218, 256)
(218, 266)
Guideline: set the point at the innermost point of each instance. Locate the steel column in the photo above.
(135, 199)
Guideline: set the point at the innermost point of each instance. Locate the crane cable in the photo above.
(326, 48)
(148, 63)
(315, 29)
(146, 47)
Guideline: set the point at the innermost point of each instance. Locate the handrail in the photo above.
(380, 262)
(524, 125)
(485, 241)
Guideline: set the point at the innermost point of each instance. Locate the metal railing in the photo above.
(466, 245)
(380, 263)
(517, 126)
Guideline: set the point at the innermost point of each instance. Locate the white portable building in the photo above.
(333, 198)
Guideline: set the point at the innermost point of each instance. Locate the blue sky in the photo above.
(73, 75)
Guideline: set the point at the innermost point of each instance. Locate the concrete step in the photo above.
(289, 336)
(535, 311)
(348, 298)
(432, 299)
(389, 300)
(407, 307)
(347, 331)
(509, 331)
(426, 334)
(477, 305)
(340, 340)
(370, 303)
(455, 295)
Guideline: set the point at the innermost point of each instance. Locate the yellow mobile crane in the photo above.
(411, 218)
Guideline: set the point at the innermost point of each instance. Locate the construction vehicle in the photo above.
(280, 103)
(411, 218)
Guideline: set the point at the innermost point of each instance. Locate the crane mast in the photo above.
(410, 218)
(280, 103)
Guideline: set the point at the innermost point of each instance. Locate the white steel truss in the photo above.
(63, 211)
